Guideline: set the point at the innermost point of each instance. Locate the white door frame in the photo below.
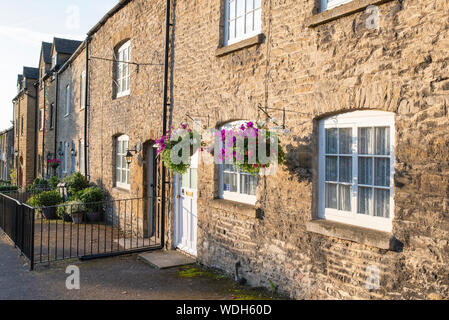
(186, 222)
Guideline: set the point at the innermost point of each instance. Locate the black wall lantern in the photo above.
(129, 155)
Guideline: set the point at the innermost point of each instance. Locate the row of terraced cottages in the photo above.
(360, 207)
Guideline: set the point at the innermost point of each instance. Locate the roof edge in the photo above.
(108, 15)
(72, 57)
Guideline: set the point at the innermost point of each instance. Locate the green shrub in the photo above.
(91, 196)
(71, 207)
(45, 199)
(13, 175)
(5, 188)
(53, 182)
(38, 185)
(76, 182)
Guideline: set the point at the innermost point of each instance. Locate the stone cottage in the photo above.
(71, 113)
(358, 90)
(359, 209)
(6, 153)
(54, 56)
(25, 125)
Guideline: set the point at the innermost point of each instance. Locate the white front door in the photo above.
(186, 187)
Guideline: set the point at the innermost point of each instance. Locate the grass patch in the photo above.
(193, 272)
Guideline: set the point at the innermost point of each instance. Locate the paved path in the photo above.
(113, 278)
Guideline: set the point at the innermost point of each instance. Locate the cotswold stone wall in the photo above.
(138, 115)
(46, 137)
(25, 106)
(71, 127)
(337, 66)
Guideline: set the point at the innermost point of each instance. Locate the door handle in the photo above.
(178, 196)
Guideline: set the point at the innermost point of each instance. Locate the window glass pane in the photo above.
(125, 146)
(186, 179)
(249, 5)
(365, 140)
(365, 200)
(233, 182)
(248, 184)
(382, 203)
(240, 27)
(127, 176)
(123, 175)
(331, 168)
(231, 9)
(258, 20)
(257, 3)
(345, 169)
(226, 181)
(382, 172)
(382, 141)
(193, 178)
(365, 171)
(240, 7)
(249, 22)
(331, 141)
(118, 177)
(345, 141)
(232, 30)
(331, 196)
(344, 197)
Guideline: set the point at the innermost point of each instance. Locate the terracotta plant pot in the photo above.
(50, 213)
(77, 217)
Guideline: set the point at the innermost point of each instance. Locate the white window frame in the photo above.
(330, 4)
(41, 119)
(52, 115)
(82, 157)
(54, 60)
(121, 65)
(231, 17)
(67, 100)
(83, 90)
(356, 120)
(123, 166)
(229, 195)
(66, 153)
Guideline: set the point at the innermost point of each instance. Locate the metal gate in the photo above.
(84, 231)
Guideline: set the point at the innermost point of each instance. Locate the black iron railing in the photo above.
(17, 221)
(77, 230)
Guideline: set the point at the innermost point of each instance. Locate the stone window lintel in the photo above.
(341, 11)
(373, 238)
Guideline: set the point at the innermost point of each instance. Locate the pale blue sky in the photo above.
(24, 24)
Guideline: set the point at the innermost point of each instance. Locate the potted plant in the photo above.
(241, 157)
(92, 198)
(54, 163)
(76, 183)
(47, 201)
(72, 211)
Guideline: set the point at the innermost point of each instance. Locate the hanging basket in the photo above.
(166, 144)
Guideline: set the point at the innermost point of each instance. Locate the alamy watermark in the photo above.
(73, 280)
(72, 21)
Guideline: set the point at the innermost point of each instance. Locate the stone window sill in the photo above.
(368, 237)
(246, 210)
(258, 39)
(121, 190)
(341, 11)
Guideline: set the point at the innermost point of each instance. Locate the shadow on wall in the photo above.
(298, 158)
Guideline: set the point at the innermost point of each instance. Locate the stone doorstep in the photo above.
(165, 259)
